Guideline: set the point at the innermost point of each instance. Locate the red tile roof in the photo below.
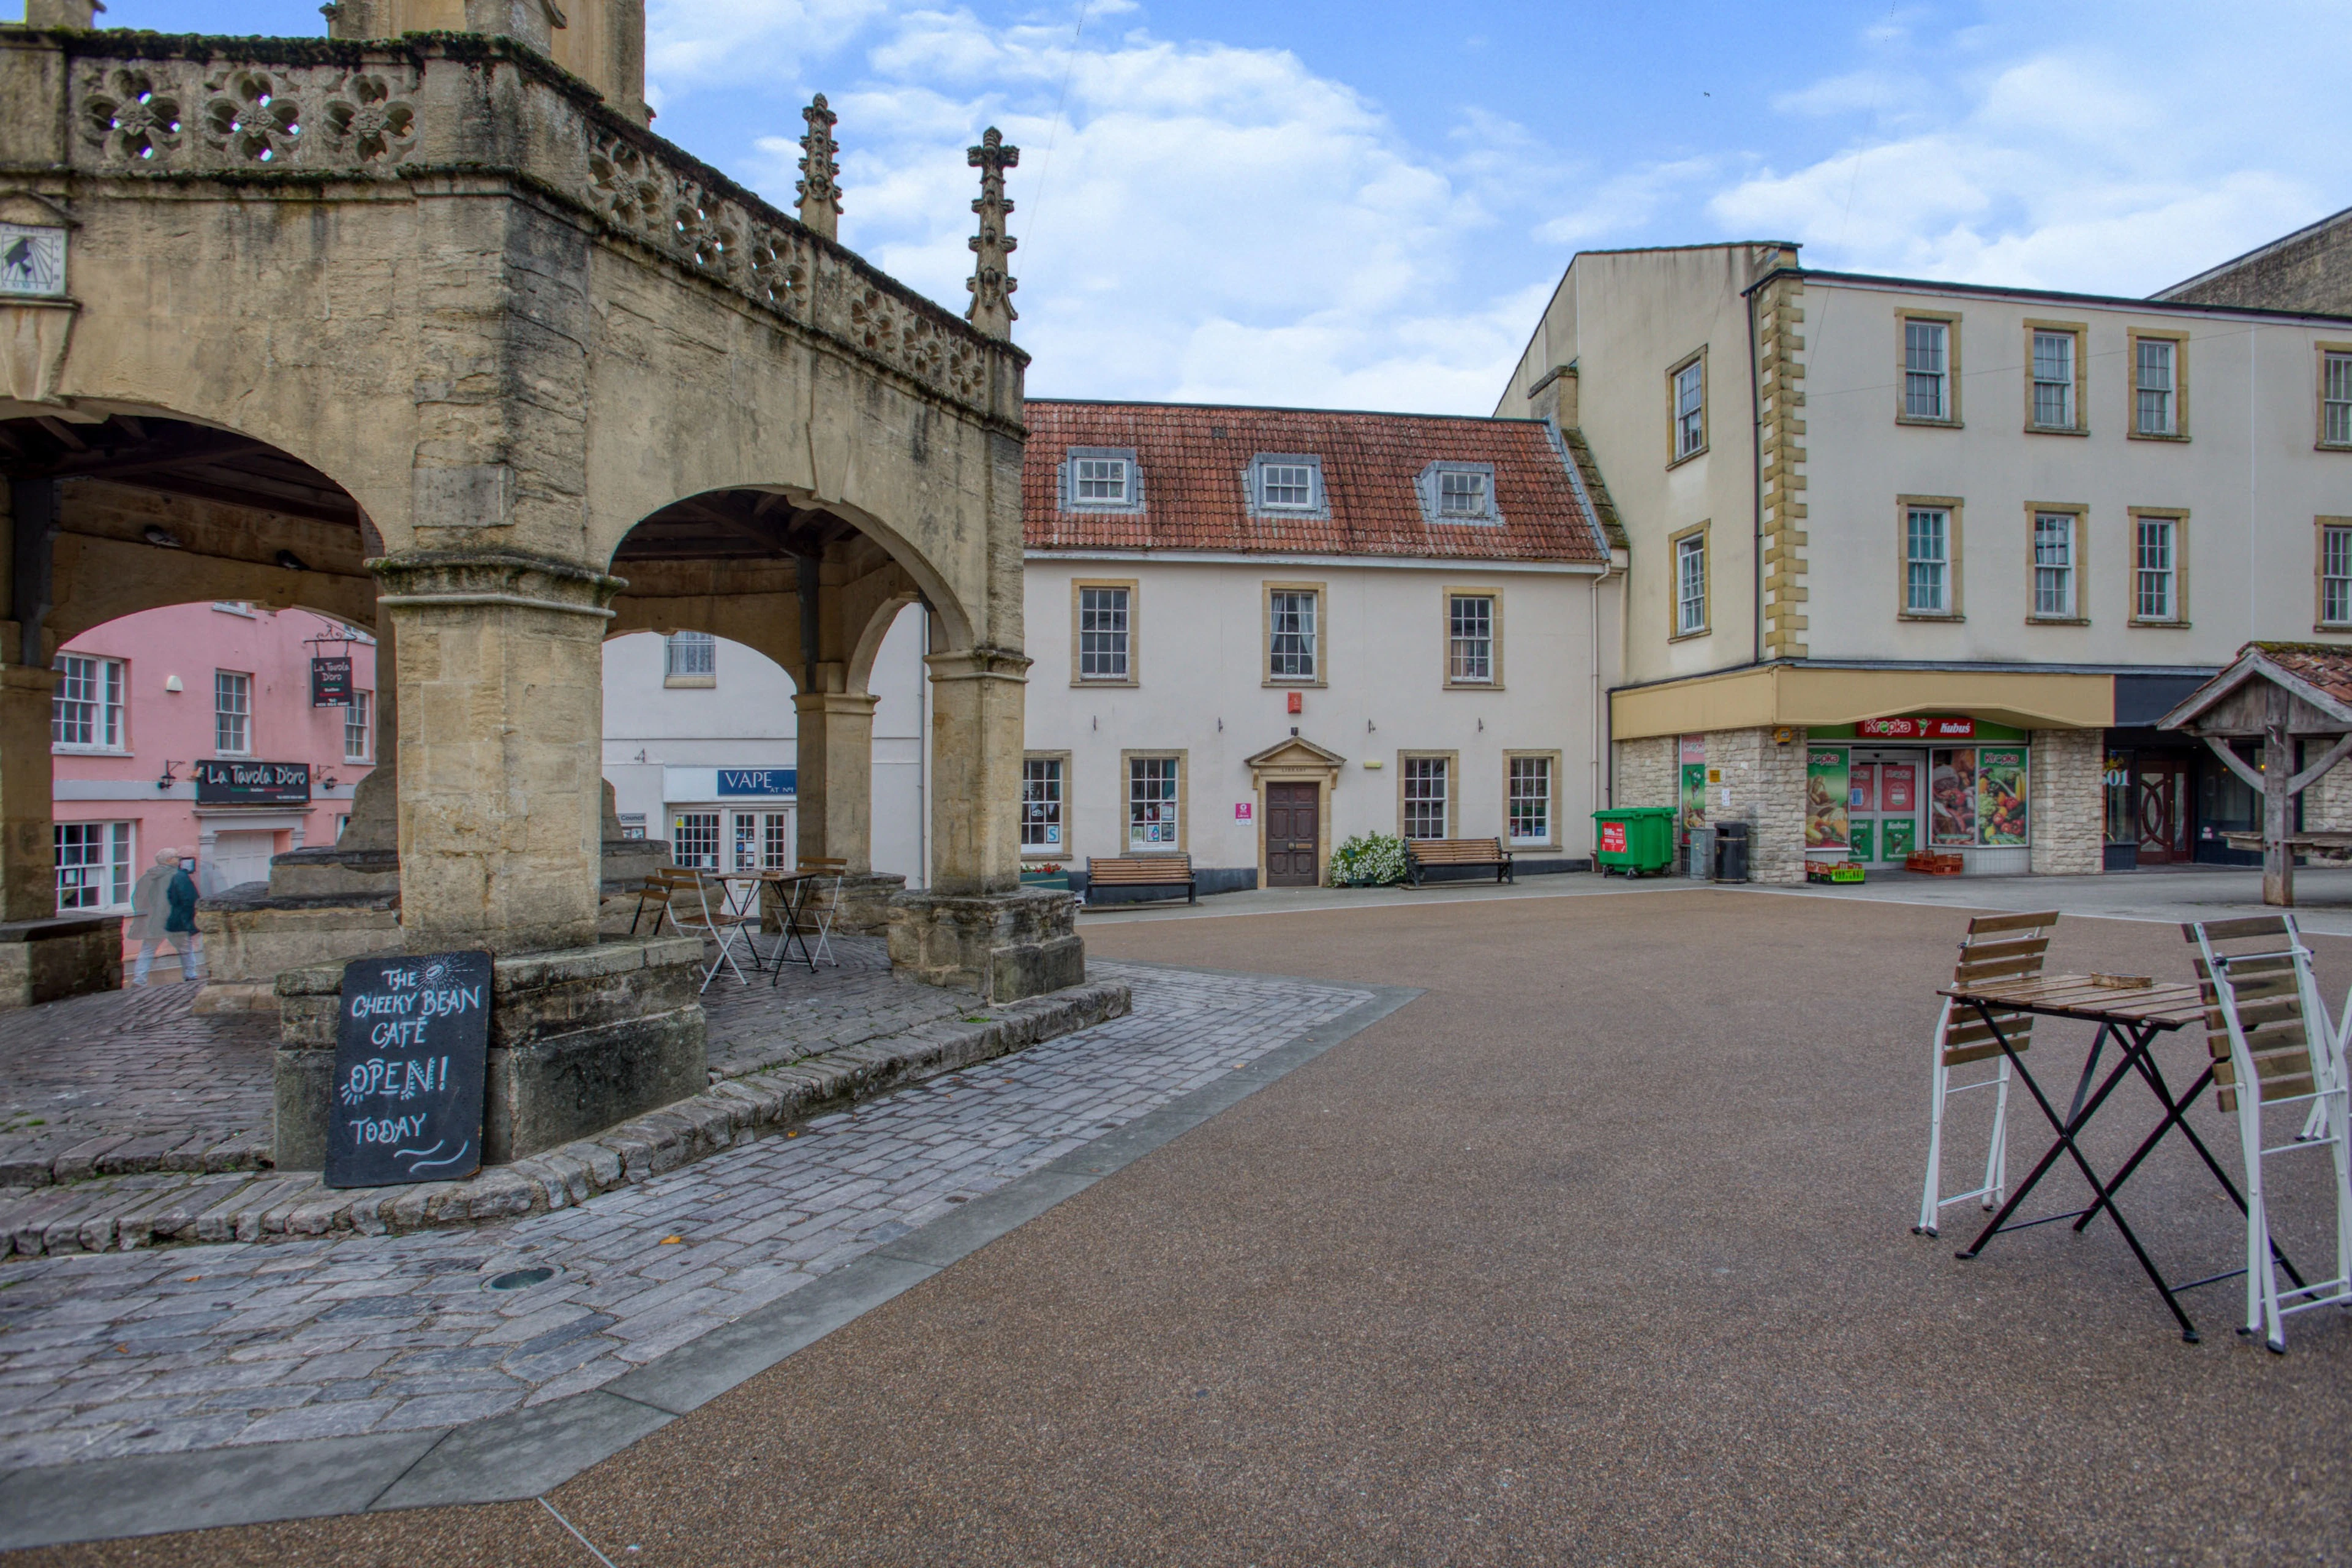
(1194, 459)
(2327, 667)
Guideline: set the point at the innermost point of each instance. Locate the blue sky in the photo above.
(1364, 205)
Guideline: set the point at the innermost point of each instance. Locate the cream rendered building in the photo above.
(1914, 564)
(1259, 632)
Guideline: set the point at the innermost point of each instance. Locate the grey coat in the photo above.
(151, 904)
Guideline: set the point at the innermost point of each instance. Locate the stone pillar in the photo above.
(28, 846)
(500, 677)
(835, 761)
(976, 740)
(2067, 791)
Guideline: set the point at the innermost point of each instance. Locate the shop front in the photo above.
(1881, 790)
(731, 819)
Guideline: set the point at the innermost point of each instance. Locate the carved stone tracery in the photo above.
(316, 117)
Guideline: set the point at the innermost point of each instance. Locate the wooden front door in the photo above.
(2162, 785)
(1292, 824)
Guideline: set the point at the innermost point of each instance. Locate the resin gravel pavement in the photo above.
(1597, 1253)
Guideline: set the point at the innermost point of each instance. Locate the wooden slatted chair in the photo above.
(1997, 947)
(661, 886)
(2268, 1033)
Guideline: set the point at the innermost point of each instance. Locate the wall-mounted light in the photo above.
(326, 780)
(171, 683)
(1369, 728)
(167, 781)
(162, 538)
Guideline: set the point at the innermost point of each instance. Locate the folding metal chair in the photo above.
(822, 907)
(2267, 1030)
(660, 887)
(1997, 947)
(710, 916)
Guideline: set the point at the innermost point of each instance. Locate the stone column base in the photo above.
(250, 939)
(1003, 945)
(581, 1038)
(46, 961)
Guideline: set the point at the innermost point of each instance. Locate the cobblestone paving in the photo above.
(111, 1354)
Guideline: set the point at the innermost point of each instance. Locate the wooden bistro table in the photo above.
(2133, 1016)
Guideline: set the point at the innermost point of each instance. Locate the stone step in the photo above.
(122, 1213)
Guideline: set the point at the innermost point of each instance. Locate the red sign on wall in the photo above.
(1939, 729)
(1613, 838)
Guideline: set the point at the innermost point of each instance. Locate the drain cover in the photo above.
(521, 1278)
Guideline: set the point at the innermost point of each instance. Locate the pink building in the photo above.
(193, 728)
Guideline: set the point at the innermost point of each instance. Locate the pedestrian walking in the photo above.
(163, 912)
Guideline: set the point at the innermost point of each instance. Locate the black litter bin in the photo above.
(1731, 851)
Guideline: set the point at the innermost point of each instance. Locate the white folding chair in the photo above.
(709, 915)
(2267, 1030)
(1997, 947)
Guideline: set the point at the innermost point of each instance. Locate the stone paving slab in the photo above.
(899, 1032)
(104, 1355)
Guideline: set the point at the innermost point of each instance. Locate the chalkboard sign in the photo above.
(331, 681)
(251, 783)
(412, 1053)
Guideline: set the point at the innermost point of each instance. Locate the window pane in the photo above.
(694, 840)
(1690, 584)
(1286, 484)
(693, 653)
(1461, 494)
(1102, 633)
(93, 865)
(2335, 390)
(2336, 575)
(357, 731)
(2155, 569)
(2154, 406)
(231, 711)
(2053, 379)
(1924, 369)
(1690, 409)
(1041, 803)
(1471, 632)
(1424, 797)
(1151, 803)
(1101, 478)
(2053, 564)
(1926, 561)
(1291, 653)
(1530, 802)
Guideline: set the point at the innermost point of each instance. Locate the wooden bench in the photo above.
(1420, 853)
(1143, 872)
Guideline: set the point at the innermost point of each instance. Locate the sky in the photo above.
(1365, 203)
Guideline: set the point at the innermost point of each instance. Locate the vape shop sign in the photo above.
(252, 784)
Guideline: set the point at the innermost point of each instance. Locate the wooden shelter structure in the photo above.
(2291, 697)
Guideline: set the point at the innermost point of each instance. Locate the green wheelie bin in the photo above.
(1637, 840)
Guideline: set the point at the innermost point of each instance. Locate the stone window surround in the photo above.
(1057, 852)
(1495, 629)
(2322, 350)
(2080, 563)
(1126, 758)
(1322, 676)
(1552, 815)
(1950, 321)
(2178, 517)
(1955, 608)
(1452, 760)
(2319, 528)
(1134, 676)
(2178, 339)
(1704, 531)
(1676, 456)
(2080, 332)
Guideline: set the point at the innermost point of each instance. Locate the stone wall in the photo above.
(2067, 793)
(1767, 782)
(1646, 771)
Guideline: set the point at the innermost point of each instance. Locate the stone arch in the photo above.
(878, 621)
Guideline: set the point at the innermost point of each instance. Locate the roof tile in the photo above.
(1194, 458)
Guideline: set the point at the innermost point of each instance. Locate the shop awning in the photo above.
(1798, 696)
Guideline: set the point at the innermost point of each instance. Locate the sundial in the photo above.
(32, 259)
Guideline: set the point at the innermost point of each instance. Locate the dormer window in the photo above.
(1285, 482)
(1101, 478)
(1457, 492)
